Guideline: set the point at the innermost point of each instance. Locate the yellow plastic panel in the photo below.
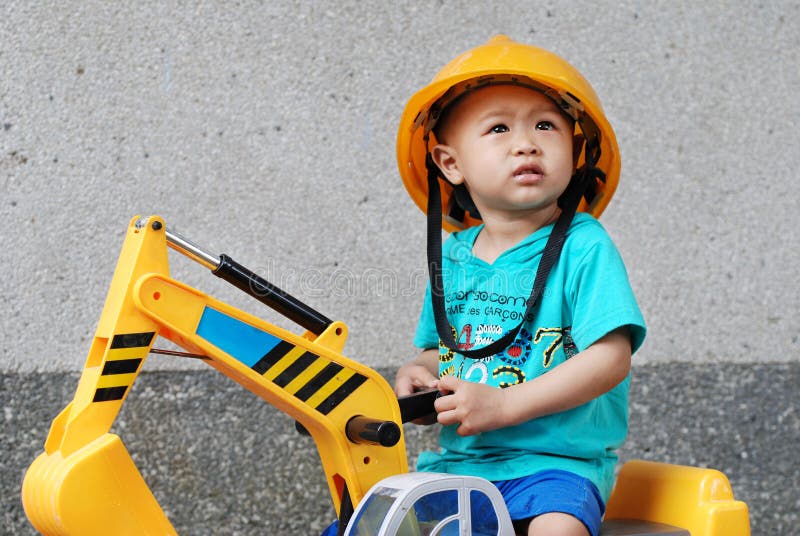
(699, 500)
(291, 381)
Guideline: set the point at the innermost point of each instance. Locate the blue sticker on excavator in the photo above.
(242, 341)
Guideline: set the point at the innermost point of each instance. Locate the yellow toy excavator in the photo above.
(86, 483)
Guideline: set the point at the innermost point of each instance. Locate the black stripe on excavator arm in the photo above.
(336, 397)
(300, 364)
(272, 357)
(121, 366)
(315, 384)
(131, 340)
(107, 394)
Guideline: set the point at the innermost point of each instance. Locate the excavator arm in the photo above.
(85, 481)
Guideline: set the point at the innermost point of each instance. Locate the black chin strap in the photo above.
(552, 250)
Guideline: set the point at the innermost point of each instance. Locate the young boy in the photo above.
(508, 142)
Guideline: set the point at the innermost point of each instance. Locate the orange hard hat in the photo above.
(504, 61)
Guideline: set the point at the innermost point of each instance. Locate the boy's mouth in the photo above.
(528, 171)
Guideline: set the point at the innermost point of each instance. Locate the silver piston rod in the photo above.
(249, 282)
(188, 248)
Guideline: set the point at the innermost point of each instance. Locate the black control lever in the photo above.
(417, 405)
(412, 407)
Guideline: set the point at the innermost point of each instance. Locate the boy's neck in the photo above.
(501, 232)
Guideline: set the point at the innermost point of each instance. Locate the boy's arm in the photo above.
(591, 373)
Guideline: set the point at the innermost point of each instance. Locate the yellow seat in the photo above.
(692, 498)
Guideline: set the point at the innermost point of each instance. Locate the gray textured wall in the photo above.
(266, 130)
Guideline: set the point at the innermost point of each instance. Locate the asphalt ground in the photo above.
(221, 461)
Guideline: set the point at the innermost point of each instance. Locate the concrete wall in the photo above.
(266, 130)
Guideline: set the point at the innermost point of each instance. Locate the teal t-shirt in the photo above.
(587, 296)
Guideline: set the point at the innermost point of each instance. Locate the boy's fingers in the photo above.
(448, 384)
(445, 417)
(426, 379)
(444, 403)
(417, 380)
(403, 387)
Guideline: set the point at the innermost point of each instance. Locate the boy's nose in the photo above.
(525, 144)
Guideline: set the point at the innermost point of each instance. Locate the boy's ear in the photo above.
(577, 147)
(445, 158)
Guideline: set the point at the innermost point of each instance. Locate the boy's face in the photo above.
(511, 146)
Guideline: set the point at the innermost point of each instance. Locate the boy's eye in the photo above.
(498, 129)
(545, 125)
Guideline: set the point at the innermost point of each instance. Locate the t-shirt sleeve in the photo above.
(426, 336)
(602, 298)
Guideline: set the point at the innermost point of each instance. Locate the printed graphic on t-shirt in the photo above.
(528, 356)
(446, 357)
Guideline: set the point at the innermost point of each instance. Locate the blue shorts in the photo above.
(553, 491)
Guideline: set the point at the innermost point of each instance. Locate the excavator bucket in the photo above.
(95, 490)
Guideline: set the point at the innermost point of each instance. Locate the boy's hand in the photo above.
(412, 378)
(475, 407)
(418, 376)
